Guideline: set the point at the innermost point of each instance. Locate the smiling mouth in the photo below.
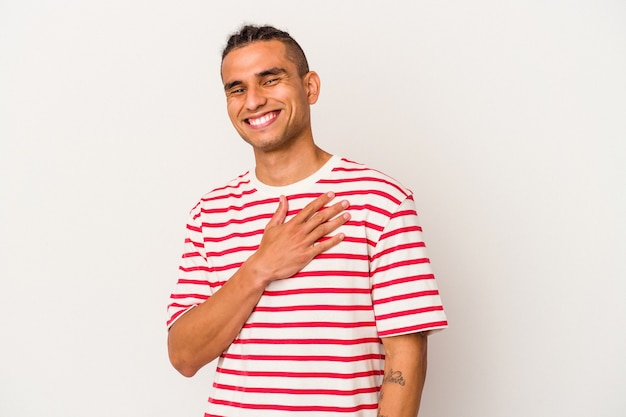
(262, 121)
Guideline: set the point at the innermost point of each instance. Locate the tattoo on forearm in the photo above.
(394, 377)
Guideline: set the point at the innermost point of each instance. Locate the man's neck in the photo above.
(285, 168)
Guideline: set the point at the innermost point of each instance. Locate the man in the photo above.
(307, 276)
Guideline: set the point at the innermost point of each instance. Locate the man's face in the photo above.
(267, 101)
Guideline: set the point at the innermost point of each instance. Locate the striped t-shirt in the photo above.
(312, 346)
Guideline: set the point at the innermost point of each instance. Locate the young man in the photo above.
(307, 276)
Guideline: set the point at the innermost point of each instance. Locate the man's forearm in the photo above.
(405, 375)
(203, 333)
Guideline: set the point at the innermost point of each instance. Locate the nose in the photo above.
(255, 98)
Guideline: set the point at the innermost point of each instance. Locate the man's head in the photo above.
(249, 34)
(269, 90)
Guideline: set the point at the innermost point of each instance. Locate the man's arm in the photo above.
(405, 374)
(204, 332)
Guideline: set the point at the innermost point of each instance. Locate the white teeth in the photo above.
(262, 120)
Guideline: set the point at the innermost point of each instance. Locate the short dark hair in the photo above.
(250, 33)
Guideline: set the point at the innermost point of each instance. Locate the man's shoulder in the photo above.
(237, 187)
(363, 175)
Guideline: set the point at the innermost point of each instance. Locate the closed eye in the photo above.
(271, 81)
(235, 91)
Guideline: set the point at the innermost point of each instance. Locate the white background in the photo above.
(507, 119)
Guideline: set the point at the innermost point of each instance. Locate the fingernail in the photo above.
(345, 204)
(330, 194)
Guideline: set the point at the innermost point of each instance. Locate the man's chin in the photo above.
(268, 145)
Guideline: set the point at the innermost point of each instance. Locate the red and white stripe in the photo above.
(312, 344)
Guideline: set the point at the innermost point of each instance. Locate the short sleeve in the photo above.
(404, 292)
(192, 287)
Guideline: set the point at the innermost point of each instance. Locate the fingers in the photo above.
(314, 221)
(324, 245)
(321, 222)
(313, 207)
(326, 228)
(315, 213)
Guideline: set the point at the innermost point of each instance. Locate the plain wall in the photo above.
(507, 120)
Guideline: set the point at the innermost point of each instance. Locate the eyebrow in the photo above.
(264, 73)
(272, 71)
(230, 85)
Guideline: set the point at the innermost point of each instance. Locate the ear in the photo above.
(312, 85)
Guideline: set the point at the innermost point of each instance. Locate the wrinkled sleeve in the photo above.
(404, 292)
(193, 284)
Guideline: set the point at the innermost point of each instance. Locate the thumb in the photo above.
(280, 214)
